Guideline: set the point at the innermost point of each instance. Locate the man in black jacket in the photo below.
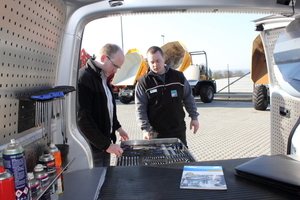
(159, 96)
(97, 117)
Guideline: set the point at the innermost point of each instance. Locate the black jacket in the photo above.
(165, 111)
(93, 116)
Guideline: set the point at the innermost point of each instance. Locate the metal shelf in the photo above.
(52, 180)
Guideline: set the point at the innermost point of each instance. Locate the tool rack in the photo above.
(41, 111)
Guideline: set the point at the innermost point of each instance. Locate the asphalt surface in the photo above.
(229, 129)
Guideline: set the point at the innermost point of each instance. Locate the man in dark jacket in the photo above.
(159, 96)
(97, 117)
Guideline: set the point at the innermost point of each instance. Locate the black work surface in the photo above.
(82, 184)
(162, 182)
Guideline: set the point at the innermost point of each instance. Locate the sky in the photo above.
(226, 38)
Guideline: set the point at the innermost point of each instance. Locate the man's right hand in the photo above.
(147, 136)
(116, 149)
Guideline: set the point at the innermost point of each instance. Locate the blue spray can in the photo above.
(14, 162)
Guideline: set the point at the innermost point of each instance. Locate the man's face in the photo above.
(156, 62)
(112, 64)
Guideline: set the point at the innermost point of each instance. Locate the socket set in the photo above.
(155, 152)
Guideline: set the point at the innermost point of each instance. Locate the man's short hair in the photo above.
(109, 50)
(155, 49)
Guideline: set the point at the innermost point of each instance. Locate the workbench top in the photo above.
(161, 182)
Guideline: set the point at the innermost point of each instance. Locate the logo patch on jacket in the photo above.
(174, 93)
(153, 91)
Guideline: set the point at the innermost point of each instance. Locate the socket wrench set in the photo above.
(155, 152)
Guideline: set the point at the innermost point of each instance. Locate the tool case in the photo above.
(155, 152)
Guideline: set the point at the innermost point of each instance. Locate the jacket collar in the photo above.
(154, 74)
(93, 66)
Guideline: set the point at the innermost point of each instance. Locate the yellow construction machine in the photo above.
(259, 76)
(133, 67)
(177, 57)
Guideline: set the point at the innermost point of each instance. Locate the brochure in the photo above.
(203, 178)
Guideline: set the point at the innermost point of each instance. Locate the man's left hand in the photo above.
(195, 124)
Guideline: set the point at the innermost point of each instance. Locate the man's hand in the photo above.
(195, 124)
(123, 135)
(116, 149)
(147, 136)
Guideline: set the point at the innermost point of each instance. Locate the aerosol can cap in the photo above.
(39, 168)
(13, 148)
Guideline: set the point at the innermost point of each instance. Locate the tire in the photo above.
(260, 97)
(125, 100)
(206, 93)
(116, 95)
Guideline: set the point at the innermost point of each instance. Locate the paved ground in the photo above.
(228, 129)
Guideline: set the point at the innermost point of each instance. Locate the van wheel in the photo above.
(206, 93)
(260, 97)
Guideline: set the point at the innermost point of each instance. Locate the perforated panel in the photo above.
(30, 36)
(271, 38)
(281, 123)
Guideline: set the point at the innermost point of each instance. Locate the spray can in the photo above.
(54, 151)
(33, 184)
(7, 186)
(43, 177)
(49, 161)
(15, 163)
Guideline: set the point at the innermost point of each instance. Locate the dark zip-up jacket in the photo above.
(164, 101)
(93, 115)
